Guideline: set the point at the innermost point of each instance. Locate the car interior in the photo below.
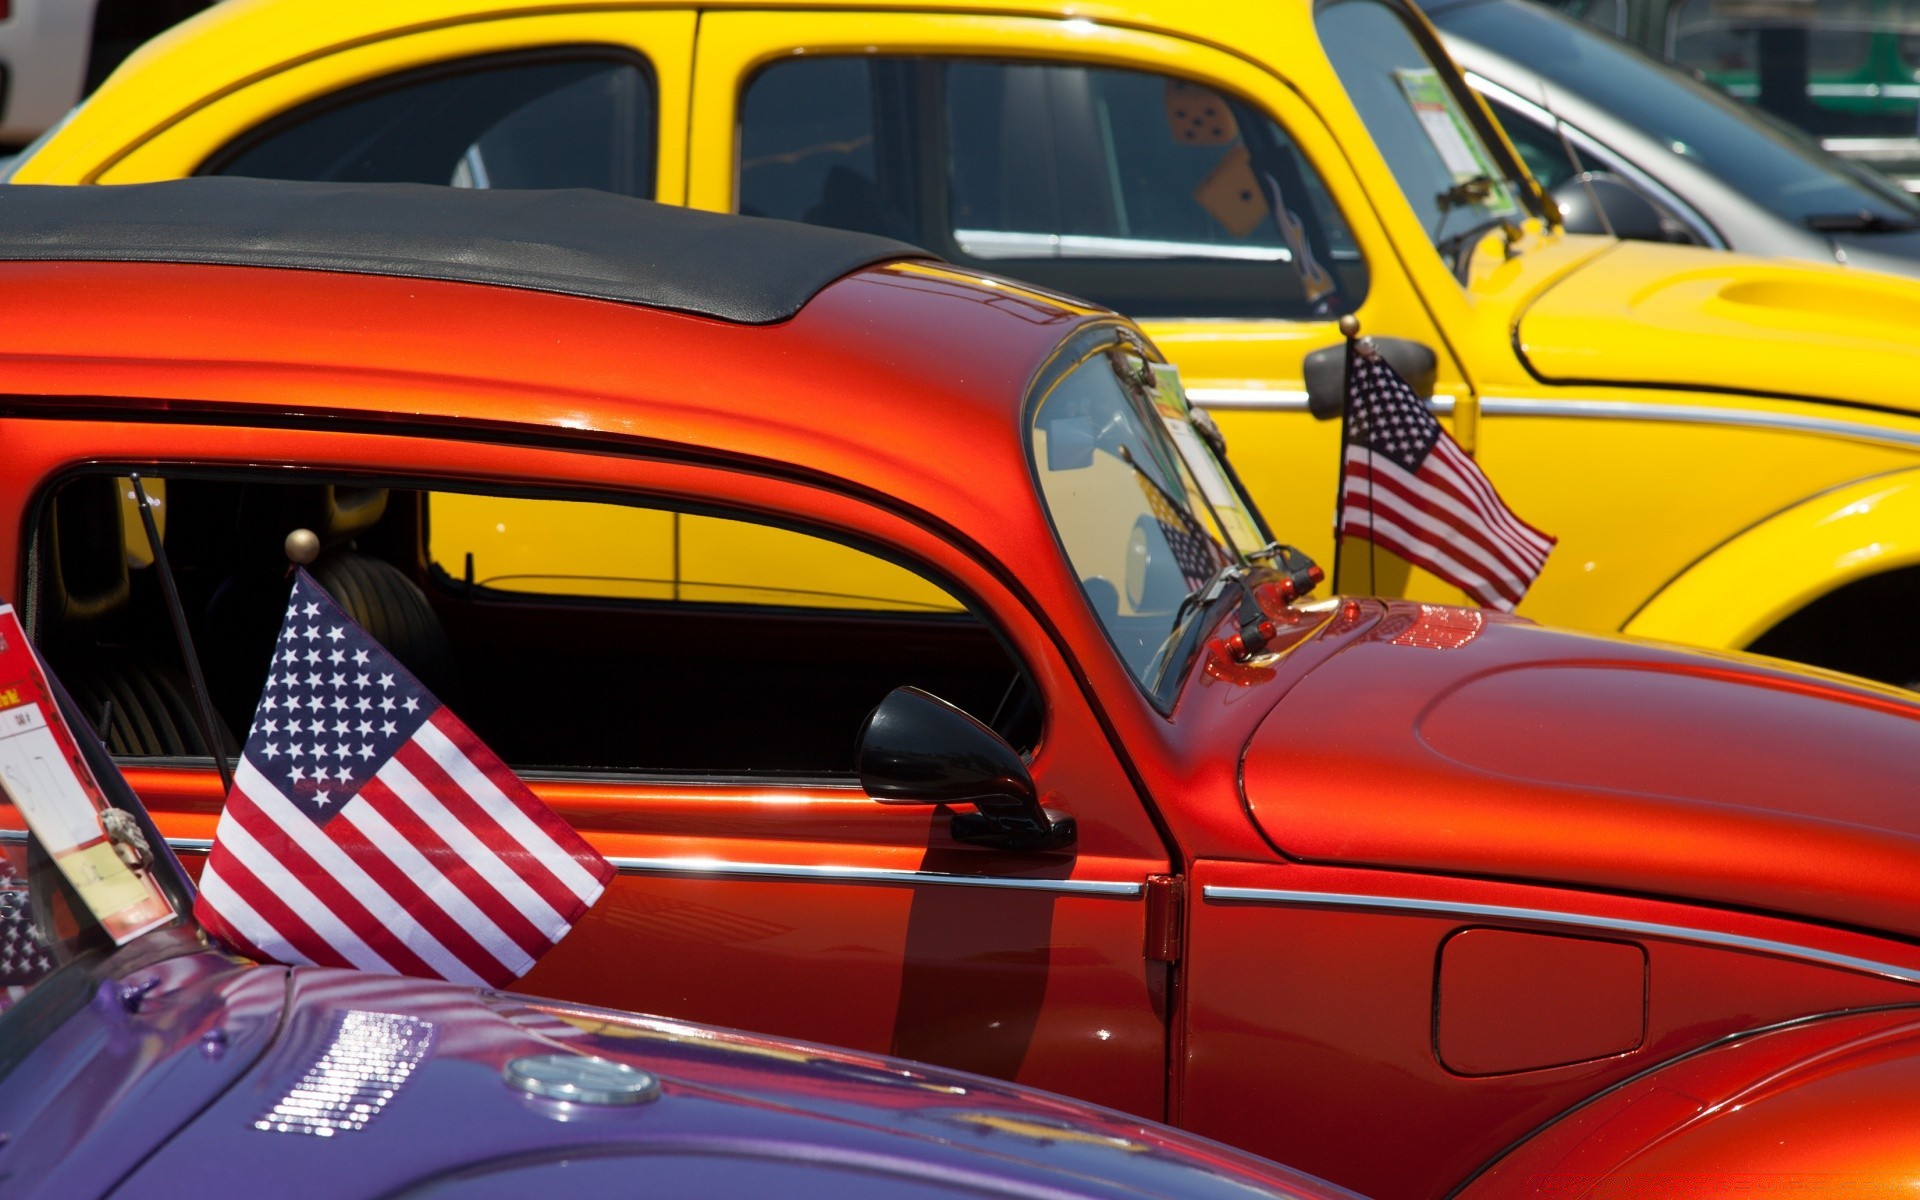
(550, 674)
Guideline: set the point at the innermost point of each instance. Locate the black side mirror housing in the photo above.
(1628, 211)
(1325, 370)
(915, 748)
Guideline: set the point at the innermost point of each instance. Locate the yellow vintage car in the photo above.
(1728, 449)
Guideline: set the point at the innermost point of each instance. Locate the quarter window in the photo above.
(1152, 195)
(572, 635)
(557, 119)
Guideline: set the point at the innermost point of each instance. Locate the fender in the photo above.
(1824, 1105)
(1752, 581)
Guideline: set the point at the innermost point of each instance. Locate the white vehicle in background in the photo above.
(53, 52)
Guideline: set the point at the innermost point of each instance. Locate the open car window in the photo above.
(575, 636)
(1151, 194)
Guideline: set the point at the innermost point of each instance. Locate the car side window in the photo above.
(1150, 194)
(571, 635)
(552, 119)
(1546, 156)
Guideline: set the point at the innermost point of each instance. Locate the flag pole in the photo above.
(1349, 329)
(203, 704)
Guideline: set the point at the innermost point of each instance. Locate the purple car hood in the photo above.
(344, 1085)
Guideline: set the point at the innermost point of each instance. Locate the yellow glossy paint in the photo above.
(1790, 560)
(1645, 403)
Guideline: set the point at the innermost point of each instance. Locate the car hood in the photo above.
(378, 1086)
(1679, 316)
(1462, 742)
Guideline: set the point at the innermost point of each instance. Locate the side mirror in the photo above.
(1326, 372)
(1629, 213)
(915, 748)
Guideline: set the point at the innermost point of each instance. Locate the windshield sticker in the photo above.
(44, 777)
(1176, 412)
(1453, 138)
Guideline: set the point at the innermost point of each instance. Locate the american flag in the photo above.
(1194, 551)
(1406, 486)
(23, 960)
(368, 828)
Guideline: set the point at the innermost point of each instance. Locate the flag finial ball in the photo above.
(303, 546)
(1350, 326)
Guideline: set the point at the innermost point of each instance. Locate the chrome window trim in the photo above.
(1696, 414)
(1586, 143)
(1215, 893)
(1257, 399)
(686, 865)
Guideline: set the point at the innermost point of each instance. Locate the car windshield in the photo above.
(1774, 166)
(1145, 508)
(1425, 123)
(82, 869)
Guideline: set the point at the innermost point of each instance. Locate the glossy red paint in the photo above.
(1509, 1001)
(1825, 1107)
(1258, 959)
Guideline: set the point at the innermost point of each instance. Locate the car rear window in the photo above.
(550, 119)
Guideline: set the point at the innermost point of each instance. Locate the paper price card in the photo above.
(43, 775)
(1453, 138)
(1170, 399)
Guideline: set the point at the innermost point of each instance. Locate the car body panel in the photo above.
(1858, 531)
(1652, 787)
(193, 1072)
(1758, 1111)
(1727, 310)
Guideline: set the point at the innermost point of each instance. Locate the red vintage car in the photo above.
(718, 529)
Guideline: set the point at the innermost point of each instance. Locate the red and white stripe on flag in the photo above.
(1407, 486)
(1444, 517)
(369, 828)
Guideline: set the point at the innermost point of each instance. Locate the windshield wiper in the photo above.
(1454, 248)
(1864, 221)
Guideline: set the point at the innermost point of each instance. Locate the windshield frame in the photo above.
(1183, 639)
(1530, 197)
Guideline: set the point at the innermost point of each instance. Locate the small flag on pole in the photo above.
(369, 828)
(1407, 487)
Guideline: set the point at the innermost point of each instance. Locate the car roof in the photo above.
(575, 242)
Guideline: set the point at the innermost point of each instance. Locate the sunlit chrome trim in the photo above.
(1695, 414)
(15, 837)
(1278, 400)
(714, 866)
(1541, 916)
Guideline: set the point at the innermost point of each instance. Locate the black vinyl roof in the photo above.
(575, 242)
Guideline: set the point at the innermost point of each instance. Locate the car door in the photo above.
(1099, 161)
(583, 99)
(695, 720)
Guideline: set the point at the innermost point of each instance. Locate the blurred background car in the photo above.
(1845, 71)
(54, 52)
(1669, 158)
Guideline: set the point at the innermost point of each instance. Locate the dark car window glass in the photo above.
(1773, 166)
(571, 635)
(553, 121)
(1141, 192)
(1425, 126)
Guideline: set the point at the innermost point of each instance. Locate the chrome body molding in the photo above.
(849, 874)
(1216, 893)
(1697, 414)
(1122, 889)
(1253, 399)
